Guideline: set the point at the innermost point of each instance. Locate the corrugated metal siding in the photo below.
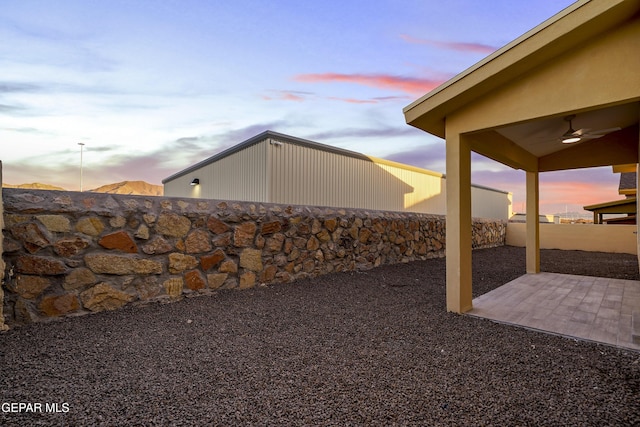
(242, 176)
(282, 172)
(426, 193)
(486, 203)
(302, 175)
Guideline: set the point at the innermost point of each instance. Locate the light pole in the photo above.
(81, 144)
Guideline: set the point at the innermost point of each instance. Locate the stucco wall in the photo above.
(73, 253)
(583, 237)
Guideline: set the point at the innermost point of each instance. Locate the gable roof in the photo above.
(566, 30)
(267, 134)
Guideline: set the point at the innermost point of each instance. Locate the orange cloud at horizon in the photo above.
(410, 85)
(554, 195)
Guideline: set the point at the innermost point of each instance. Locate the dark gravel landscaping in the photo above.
(357, 348)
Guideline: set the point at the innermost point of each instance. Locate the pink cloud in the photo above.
(410, 85)
(353, 100)
(283, 95)
(459, 46)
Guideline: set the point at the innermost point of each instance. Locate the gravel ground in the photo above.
(369, 348)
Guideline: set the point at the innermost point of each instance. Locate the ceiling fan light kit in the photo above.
(572, 136)
(570, 139)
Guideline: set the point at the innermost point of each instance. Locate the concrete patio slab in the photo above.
(582, 307)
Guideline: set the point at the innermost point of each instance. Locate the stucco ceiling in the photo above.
(542, 137)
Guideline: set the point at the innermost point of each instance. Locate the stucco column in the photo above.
(533, 223)
(458, 240)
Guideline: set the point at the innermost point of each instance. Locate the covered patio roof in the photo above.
(575, 74)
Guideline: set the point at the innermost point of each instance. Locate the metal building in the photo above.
(276, 168)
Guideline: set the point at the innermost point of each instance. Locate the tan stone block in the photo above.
(78, 278)
(30, 264)
(30, 287)
(173, 225)
(173, 287)
(270, 227)
(331, 224)
(243, 234)
(228, 266)
(180, 262)
(216, 280)
(157, 245)
(308, 265)
(274, 243)
(216, 226)
(364, 236)
(313, 244)
(316, 226)
(247, 280)
(295, 254)
(208, 261)
(119, 240)
(194, 280)
(70, 247)
(90, 226)
(197, 242)
(251, 259)
(31, 236)
(222, 240)
(55, 305)
(268, 275)
(142, 232)
(12, 219)
(55, 223)
(121, 265)
(103, 297)
(323, 236)
(147, 287)
(149, 218)
(118, 221)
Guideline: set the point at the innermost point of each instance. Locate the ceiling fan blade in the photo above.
(604, 131)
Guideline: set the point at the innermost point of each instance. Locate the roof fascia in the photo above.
(554, 36)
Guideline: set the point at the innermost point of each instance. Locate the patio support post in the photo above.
(458, 225)
(533, 223)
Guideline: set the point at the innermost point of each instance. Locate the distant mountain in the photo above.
(34, 186)
(140, 188)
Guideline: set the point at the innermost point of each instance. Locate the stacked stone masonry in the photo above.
(71, 253)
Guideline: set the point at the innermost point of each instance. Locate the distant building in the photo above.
(626, 206)
(276, 168)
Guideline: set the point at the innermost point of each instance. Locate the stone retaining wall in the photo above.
(71, 253)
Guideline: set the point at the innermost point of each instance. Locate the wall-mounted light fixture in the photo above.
(195, 181)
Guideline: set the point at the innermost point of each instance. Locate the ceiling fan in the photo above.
(572, 136)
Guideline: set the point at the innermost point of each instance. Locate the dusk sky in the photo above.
(151, 87)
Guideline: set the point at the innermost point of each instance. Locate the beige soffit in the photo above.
(570, 27)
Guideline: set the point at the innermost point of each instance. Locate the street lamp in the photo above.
(81, 144)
